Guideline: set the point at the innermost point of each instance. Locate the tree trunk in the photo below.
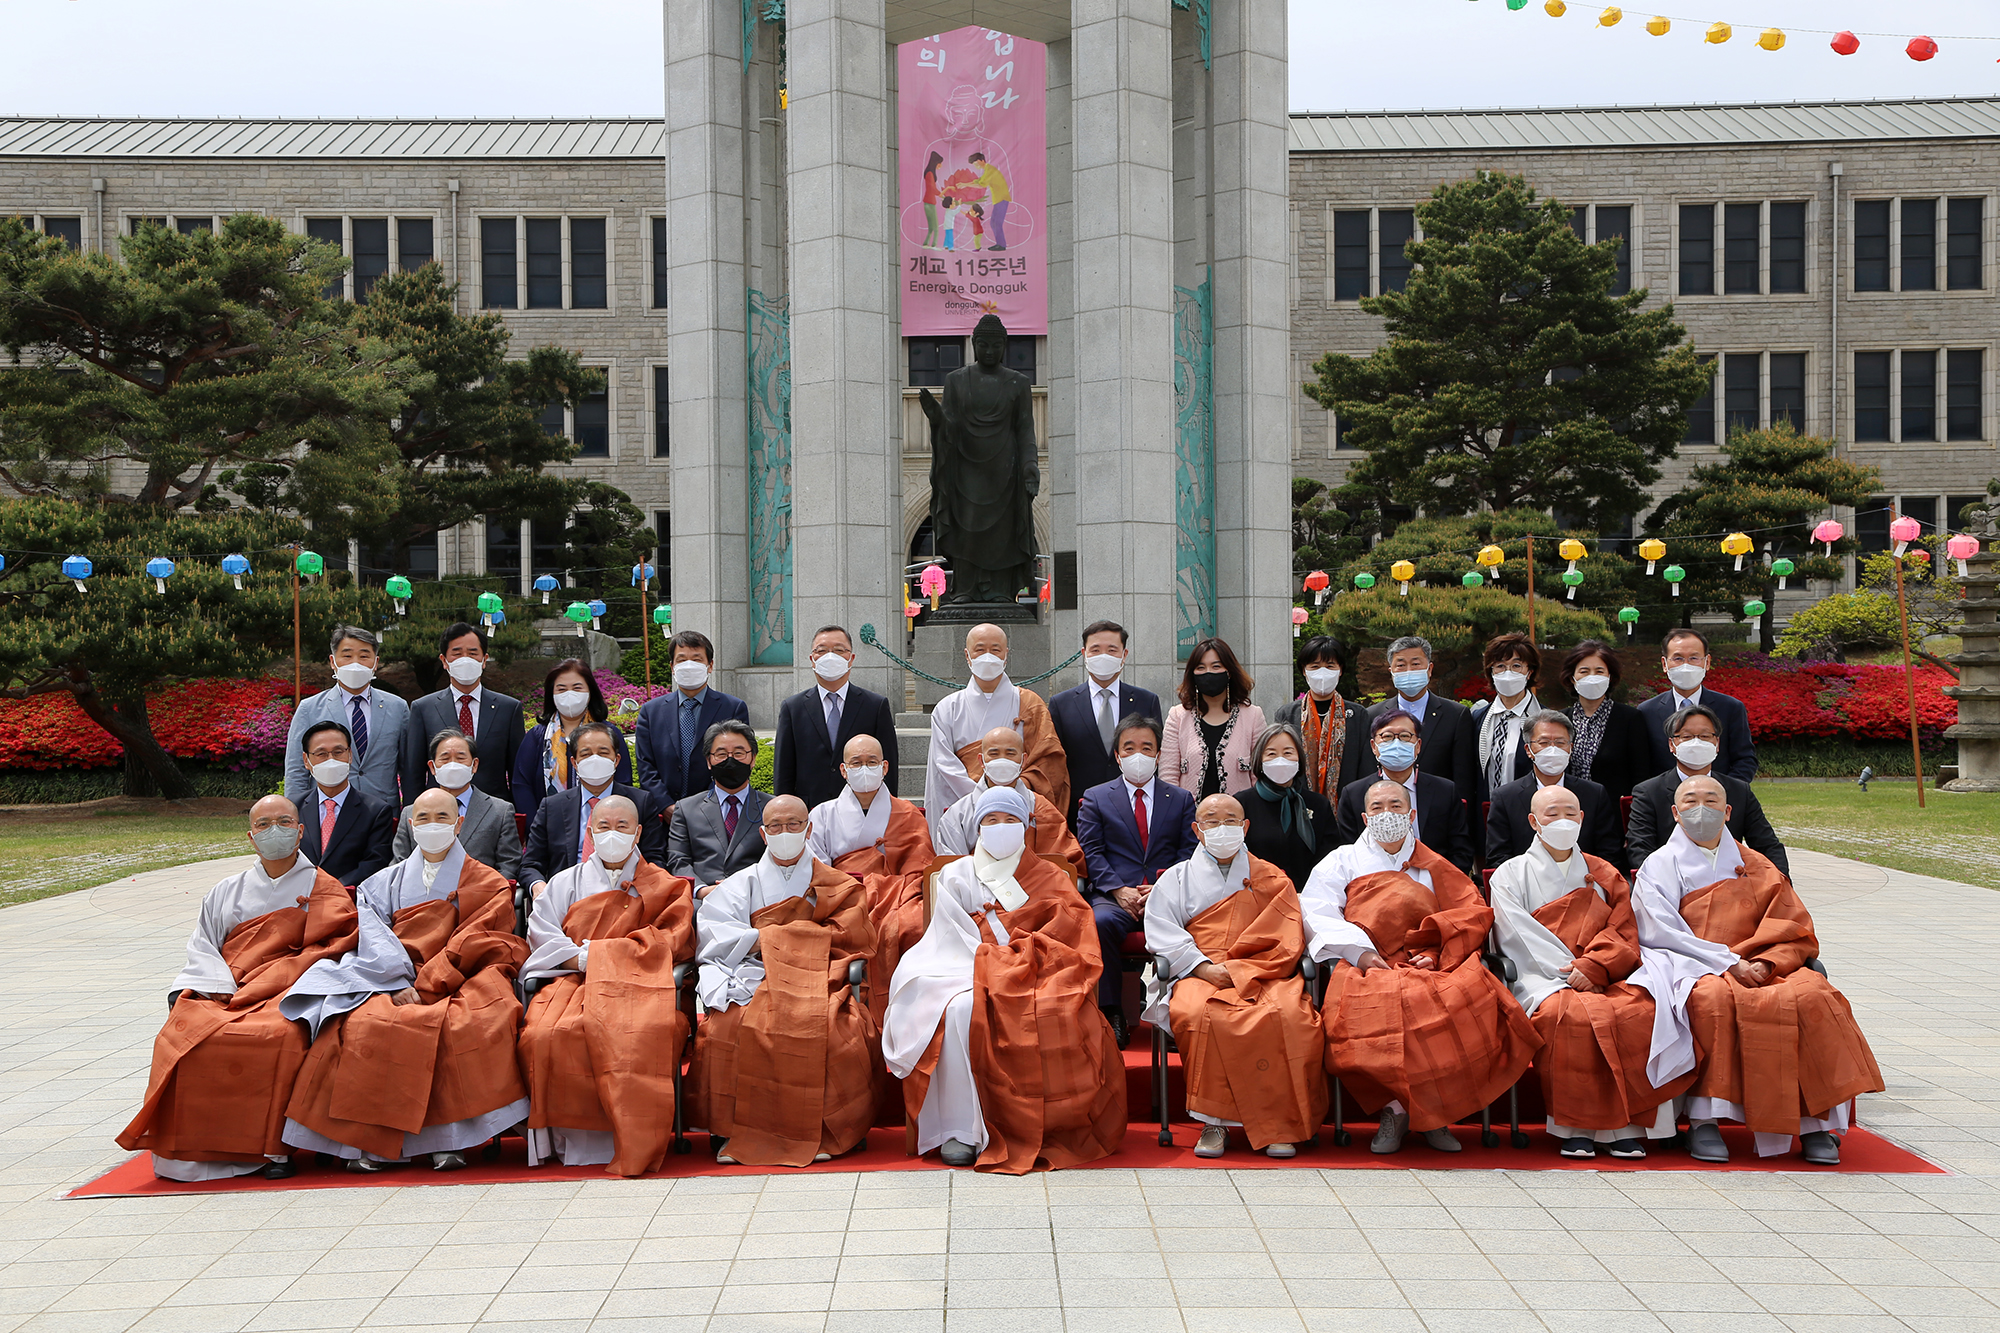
(149, 769)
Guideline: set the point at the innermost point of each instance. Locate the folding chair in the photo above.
(684, 975)
(1164, 1044)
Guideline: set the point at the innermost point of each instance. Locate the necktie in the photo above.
(589, 843)
(328, 812)
(1684, 703)
(1139, 816)
(1503, 746)
(357, 727)
(833, 718)
(1106, 723)
(465, 714)
(688, 717)
(729, 820)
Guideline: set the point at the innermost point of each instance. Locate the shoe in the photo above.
(1389, 1136)
(1579, 1146)
(723, 1159)
(1214, 1138)
(447, 1161)
(822, 1157)
(1820, 1148)
(1281, 1150)
(1119, 1029)
(362, 1166)
(282, 1169)
(1705, 1144)
(955, 1153)
(1443, 1140)
(1629, 1150)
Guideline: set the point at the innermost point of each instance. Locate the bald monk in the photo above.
(414, 1032)
(1001, 751)
(224, 1064)
(1416, 1027)
(993, 1025)
(961, 720)
(1565, 919)
(1726, 941)
(1226, 938)
(787, 1061)
(882, 840)
(603, 1037)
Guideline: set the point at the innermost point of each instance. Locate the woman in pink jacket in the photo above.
(1211, 730)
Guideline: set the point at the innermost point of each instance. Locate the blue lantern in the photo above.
(546, 584)
(76, 569)
(3, 564)
(597, 610)
(161, 569)
(499, 617)
(642, 573)
(236, 567)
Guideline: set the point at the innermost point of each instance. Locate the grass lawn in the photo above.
(44, 856)
(1953, 837)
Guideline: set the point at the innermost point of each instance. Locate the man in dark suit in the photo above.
(348, 834)
(1548, 744)
(557, 838)
(492, 719)
(1684, 657)
(815, 725)
(1131, 829)
(1692, 736)
(713, 834)
(668, 735)
(1449, 741)
(1087, 715)
(1442, 823)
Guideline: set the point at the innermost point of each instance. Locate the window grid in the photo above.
(1919, 395)
(1919, 244)
(1366, 248)
(546, 263)
(1743, 248)
(660, 273)
(662, 429)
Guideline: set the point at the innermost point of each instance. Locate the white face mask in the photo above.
(1223, 841)
(466, 670)
(1687, 679)
(1388, 826)
(277, 842)
(1103, 666)
(1560, 834)
(690, 675)
(1280, 771)
(1322, 680)
(864, 778)
(1695, 753)
(1510, 683)
(988, 667)
(452, 776)
(1002, 772)
(596, 769)
(354, 675)
(785, 846)
(331, 772)
(433, 838)
(1138, 768)
(612, 846)
(1592, 687)
(571, 703)
(830, 667)
(1001, 841)
(1551, 760)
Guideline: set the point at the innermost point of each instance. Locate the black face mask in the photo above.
(1212, 683)
(730, 773)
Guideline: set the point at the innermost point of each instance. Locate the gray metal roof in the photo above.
(400, 139)
(1641, 127)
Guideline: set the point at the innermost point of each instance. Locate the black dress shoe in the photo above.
(1119, 1029)
(1820, 1148)
(447, 1161)
(279, 1170)
(1629, 1150)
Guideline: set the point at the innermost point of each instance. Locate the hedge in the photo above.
(94, 784)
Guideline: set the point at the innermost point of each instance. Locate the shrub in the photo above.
(232, 724)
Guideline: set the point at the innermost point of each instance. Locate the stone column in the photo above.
(1977, 730)
(1059, 484)
(1121, 99)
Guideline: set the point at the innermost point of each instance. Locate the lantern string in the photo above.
(1700, 25)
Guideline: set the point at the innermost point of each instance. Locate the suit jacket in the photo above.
(1355, 756)
(1090, 764)
(657, 738)
(1110, 837)
(1181, 753)
(489, 834)
(558, 826)
(1737, 753)
(1653, 819)
(806, 761)
(362, 841)
(1450, 749)
(529, 787)
(377, 768)
(1624, 757)
(1442, 822)
(697, 846)
(1508, 834)
(496, 740)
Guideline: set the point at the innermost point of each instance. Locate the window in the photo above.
(1579, 222)
(1871, 245)
(334, 232)
(1701, 417)
(503, 552)
(1616, 224)
(1919, 395)
(592, 431)
(588, 270)
(661, 438)
(1350, 255)
(1955, 507)
(1871, 524)
(1741, 224)
(544, 263)
(1871, 396)
(1740, 391)
(414, 244)
(1368, 255)
(189, 226)
(1021, 355)
(140, 224)
(548, 537)
(1965, 233)
(554, 418)
(371, 254)
(1697, 250)
(931, 359)
(659, 263)
(67, 230)
(379, 562)
(663, 554)
(1788, 247)
(1919, 245)
(1923, 508)
(1397, 227)
(1919, 253)
(496, 264)
(1964, 395)
(1788, 388)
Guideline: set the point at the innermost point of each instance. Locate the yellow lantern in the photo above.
(1555, 8)
(1403, 571)
(1717, 34)
(1610, 17)
(1652, 550)
(1572, 550)
(1770, 39)
(1738, 545)
(1659, 25)
(1491, 556)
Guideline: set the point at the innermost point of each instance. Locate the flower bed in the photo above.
(229, 724)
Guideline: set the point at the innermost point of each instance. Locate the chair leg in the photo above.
(1160, 1087)
(1520, 1139)
(1488, 1138)
(681, 1143)
(1341, 1137)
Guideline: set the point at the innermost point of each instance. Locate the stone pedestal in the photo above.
(1978, 690)
(941, 651)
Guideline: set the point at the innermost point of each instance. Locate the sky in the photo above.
(564, 58)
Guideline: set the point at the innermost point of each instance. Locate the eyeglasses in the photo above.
(786, 826)
(259, 825)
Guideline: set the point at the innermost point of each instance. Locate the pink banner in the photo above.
(973, 182)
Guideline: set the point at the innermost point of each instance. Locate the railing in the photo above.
(868, 637)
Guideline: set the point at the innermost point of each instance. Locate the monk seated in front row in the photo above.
(603, 1038)
(1416, 1027)
(993, 1025)
(882, 840)
(787, 1061)
(1226, 939)
(225, 1063)
(416, 1030)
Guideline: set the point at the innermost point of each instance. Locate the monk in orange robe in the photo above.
(1002, 754)
(1415, 1024)
(960, 722)
(882, 840)
(225, 1063)
(603, 1038)
(1226, 937)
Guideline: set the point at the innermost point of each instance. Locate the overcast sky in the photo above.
(543, 58)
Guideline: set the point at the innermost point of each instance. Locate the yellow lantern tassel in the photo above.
(1770, 39)
(1717, 34)
(1659, 25)
(1555, 8)
(1610, 17)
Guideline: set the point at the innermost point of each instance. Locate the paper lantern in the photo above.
(1610, 18)
(489, 606)
(1770, 39)
(1473, 578)
(1753, 608)
(1572, 550)
(1717, 34)
(399, 588)
(76, 569)
(499, 617)
(1784, 569)
(597, 610)
(310, 564)
(1962, 548)
(909, 609)
(1555, 8)
(546, 584)
(932, 582)
(1491, 556)
(1299, 618)
(1736, 544)
(577, 612)
(642, 573)
(1829, 532)
(1674, 574)
(1920, 556)
(1364, 580)
(1904, 531)
(1921, 48)
(161, 569)
(1652, 550)
(1517, 4)
(1316, 584)
(1845, 43)
(663, 616)
(1574, 578)
(1403, 571)
(235, 566)
(1659, 25)
(1629, 617)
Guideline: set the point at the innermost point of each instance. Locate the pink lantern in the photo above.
(1962, 548)
(1829, 532)
(1299, 618)
(932, 582)
(912, 610)
(1904, 531)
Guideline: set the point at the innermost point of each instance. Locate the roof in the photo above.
(397, 139)
(1645, 127)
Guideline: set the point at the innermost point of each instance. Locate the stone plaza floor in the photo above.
(953, 1252)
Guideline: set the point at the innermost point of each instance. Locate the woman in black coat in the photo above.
(1290, 825)
(1332, 730)
(1614, 747)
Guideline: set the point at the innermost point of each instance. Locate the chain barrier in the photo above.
(868, 637)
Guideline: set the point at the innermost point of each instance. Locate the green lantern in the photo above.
(399, 588)
(1364, 580)
(1629, 617)
(1753, 608)
(1574, 578)
(663, 616)
(310, 564)
(577, 612)
(1784, 569)
(1673, 574)
(1473, 579)
(489, 607)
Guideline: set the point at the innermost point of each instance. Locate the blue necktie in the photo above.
(358, 729)
(690, 711)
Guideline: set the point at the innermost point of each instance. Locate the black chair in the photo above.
(684, 975)
(1163, 1045)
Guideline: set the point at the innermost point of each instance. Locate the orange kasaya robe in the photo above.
(223, 1070)
(1786, 1049)
(1252, 1052)
(892, 871)
(1592, 1063)
(794, 1072)
(1051, 1077)
(1444, 1042)
(386, 1070)
(600, 1052)
(1051, 836)
(1044, 765)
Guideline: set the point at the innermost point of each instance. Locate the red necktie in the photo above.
(729, 820)
(589, 843)
(1139, 816)
(465, 714)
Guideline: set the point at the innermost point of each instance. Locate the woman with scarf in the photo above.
(1290, 825)
(1333, 729)
(543, 767)
(1207, 745)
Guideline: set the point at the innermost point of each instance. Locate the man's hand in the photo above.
(1751, 973)
(1215, 975)
(703, 890)
(1369, 961)
(1579, 982)
(407, 995)
(539, 887)
(1423, 962)
(1133, 901)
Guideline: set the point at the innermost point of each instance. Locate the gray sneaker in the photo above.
(1442, 1140)
(1705, 1144)
(955, 1153)
(1389, 1137)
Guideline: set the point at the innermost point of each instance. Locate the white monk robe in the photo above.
(1323, 901)
(840, 826)
(1182, 893)
(727, 940)
(1673, 958)
(958, 721)
(381, 965)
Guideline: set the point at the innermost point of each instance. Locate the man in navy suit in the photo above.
(669, 732)
(1448, 740)
(556, 837)
(1684, 657)
(491, 719)
(815, 725)
(1131, 829)
(348, 834)
(1086, 716)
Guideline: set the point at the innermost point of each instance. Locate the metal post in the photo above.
(646, 629)
(1531, 588)
(298, 696)
(1909, 676)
